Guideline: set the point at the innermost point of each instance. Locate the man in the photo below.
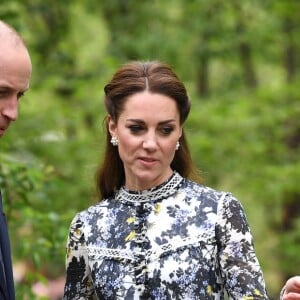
(15, 72)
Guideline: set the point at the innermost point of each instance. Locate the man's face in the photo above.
(15, 72)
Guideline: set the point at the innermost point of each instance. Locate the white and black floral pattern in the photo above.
(180, 240)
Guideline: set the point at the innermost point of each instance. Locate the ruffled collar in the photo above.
(156, 193)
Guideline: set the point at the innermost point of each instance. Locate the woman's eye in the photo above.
(135, 128)
(166, 130)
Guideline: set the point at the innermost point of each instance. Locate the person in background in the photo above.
(15, 72)
(291, 290)
(157, 233)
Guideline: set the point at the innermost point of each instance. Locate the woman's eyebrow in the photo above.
(135, 120)
(143, 122)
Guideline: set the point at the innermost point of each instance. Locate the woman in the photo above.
(156, 234)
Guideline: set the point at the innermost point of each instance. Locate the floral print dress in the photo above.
(179, 240)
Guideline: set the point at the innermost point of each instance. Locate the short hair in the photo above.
(132, 78)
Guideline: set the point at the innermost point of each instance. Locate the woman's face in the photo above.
(148, 129)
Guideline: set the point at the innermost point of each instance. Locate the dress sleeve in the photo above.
(79, 285)
(240, 269)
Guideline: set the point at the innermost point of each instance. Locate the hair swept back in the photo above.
(131, 78)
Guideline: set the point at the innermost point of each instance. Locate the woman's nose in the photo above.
(150, 142)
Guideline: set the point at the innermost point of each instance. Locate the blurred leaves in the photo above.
(243, 137)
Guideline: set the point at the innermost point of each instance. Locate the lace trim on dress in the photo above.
(111, 253)
(151, 254)
(159, 192)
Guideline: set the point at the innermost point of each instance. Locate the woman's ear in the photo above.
(112, 126)
(180, 131)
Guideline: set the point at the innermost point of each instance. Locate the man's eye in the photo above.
(3, 94)
(20, 95)
(7, 93)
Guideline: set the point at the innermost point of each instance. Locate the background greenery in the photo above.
(240, 63)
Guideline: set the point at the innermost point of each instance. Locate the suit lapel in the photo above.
(6, 275)
(3, 287)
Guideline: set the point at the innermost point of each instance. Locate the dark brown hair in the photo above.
(131, 78)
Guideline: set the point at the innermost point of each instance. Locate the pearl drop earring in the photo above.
(114, 140)
(177, 145)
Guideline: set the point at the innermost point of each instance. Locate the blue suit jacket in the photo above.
(7, 291)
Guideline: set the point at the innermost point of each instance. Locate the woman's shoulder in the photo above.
(92, 212)
(208, 195)
(198, 189)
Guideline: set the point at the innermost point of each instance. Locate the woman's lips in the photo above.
(147, 160)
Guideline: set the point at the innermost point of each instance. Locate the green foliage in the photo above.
(245, 140)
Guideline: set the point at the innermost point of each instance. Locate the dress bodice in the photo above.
(179, 240)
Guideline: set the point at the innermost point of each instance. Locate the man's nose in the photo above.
(11, 108)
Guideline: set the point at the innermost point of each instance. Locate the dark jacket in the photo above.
(7, 291)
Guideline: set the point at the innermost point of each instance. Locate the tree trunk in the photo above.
(290, 50)
(244, 49)
(203, 76)
(247, 64)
